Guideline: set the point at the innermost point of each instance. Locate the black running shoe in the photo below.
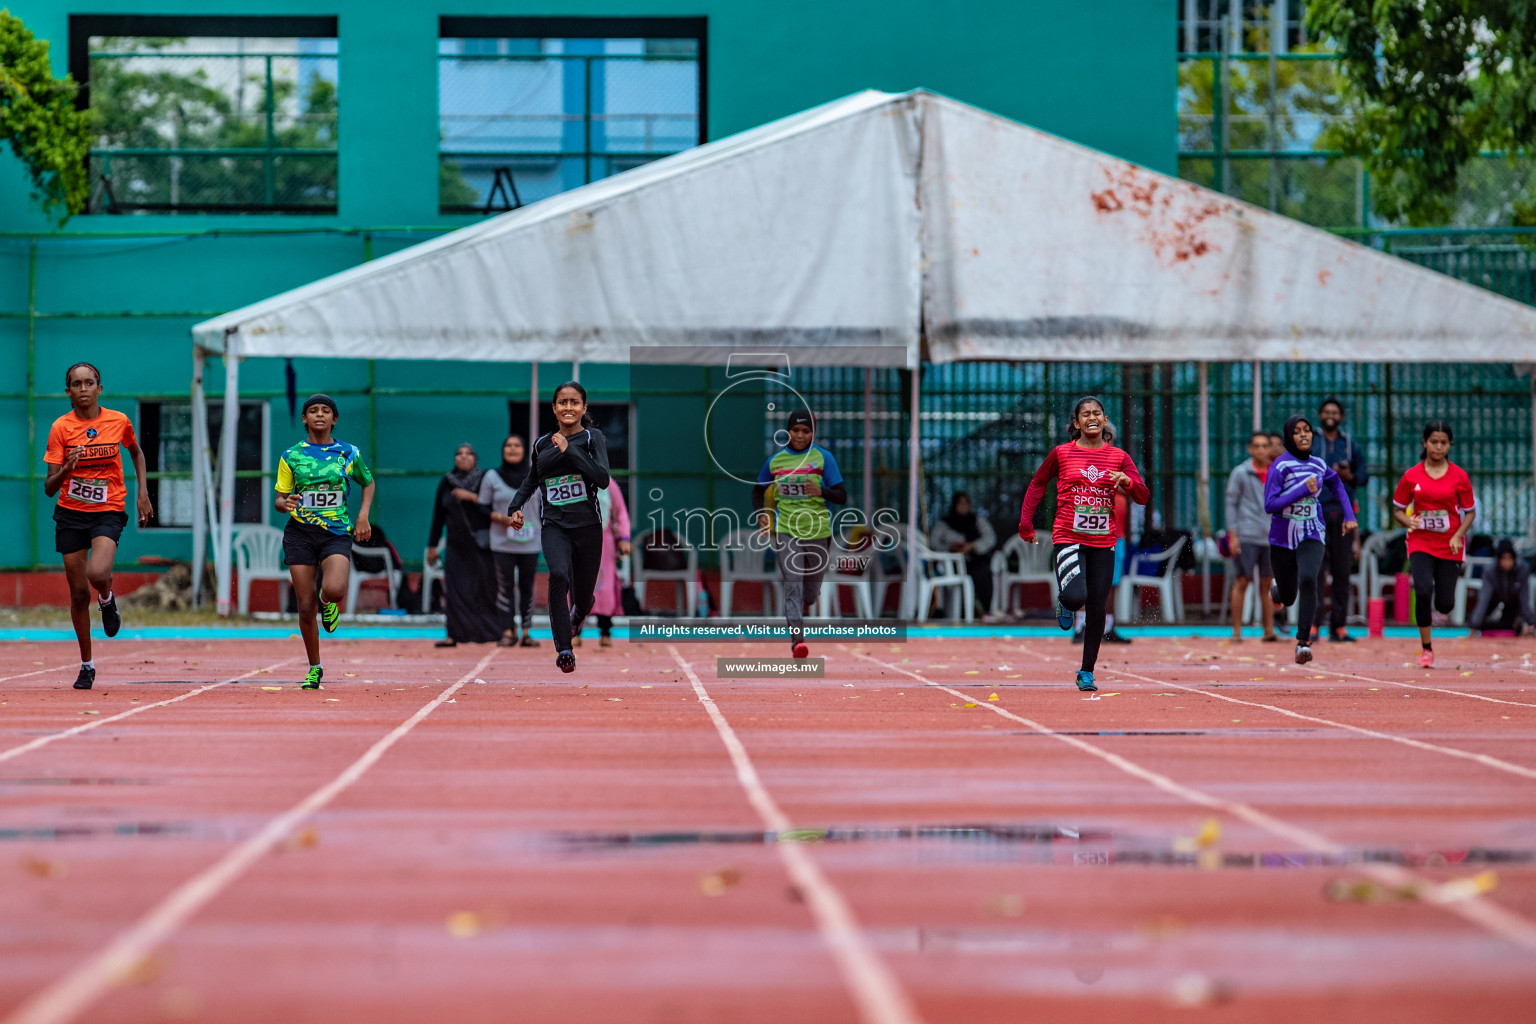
(86, 679)
(565, 661)
(1115, 638)
(111, 622)
(1340, 636)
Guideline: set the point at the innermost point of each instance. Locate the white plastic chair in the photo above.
(1034, 567)
(883, 576)
(688, 577)
(1473, 569)
(839, 575)
(744, 559)
(1371, 550)
(258, 554)
(390, 573)
(940, 570)
(430, 574)
(1161, 573)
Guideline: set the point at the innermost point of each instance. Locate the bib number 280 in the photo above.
(565, 490)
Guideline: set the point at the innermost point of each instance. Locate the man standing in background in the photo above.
(1248, 534)
(1341, 453)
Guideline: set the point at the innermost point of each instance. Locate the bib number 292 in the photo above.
(1090, 519)
(565, 490)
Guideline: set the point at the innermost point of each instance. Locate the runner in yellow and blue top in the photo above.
(805, 477)
(314, 478)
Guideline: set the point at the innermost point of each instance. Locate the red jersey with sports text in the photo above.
(1085, 495)
(96, 482)
(1440, 504)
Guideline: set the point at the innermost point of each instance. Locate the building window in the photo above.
(210, 114)
(530, 107)
(165, 434)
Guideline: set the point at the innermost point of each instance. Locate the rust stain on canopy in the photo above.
(1173, 223)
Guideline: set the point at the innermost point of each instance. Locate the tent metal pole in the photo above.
(533, 407)
(576, 370)
(230, 429)
(199, 484)
(1258, 395)
(869, 444)
(1204, 501)
(914, 566)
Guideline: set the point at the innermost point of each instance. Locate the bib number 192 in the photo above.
(319, 500)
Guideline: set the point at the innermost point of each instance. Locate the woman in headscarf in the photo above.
(468, 577)
(1296, 526)
(607, 599)
(515, 553)
(964, 532)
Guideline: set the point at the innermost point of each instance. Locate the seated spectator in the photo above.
(964, 532)
(1504, 602)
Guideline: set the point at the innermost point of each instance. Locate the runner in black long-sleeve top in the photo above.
(572, 466)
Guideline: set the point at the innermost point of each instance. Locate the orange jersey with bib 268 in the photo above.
(96, 482)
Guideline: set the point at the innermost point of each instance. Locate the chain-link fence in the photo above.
(213, 125)
(517, 127)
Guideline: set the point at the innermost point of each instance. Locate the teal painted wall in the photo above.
(1099, 73)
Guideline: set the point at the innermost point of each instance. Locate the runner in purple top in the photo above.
(1296, 530)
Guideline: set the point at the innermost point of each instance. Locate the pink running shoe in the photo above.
(1427, 659)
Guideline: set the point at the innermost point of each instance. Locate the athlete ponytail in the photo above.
(586, 417)
(1077, 407)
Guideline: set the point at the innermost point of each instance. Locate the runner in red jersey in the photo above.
(85, 469)
(1434, 501)
(1088, 470)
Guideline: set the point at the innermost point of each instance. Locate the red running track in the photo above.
(592, 847)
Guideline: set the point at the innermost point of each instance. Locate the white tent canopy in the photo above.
(874, 230)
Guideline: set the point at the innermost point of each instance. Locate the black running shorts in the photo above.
(311, 545)
(74, 530)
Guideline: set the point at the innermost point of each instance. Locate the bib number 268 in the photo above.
(93, 492)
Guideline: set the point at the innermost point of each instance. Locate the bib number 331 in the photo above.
(565, 490)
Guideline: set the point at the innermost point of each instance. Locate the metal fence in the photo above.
(519, 127)
(213, 131)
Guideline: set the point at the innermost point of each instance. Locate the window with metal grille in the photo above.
(209, 114)
(530, 107)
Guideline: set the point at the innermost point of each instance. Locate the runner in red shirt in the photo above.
(85, 469)
(1089, 470)
(1434, 501)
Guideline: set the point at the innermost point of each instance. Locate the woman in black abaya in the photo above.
(469, 577)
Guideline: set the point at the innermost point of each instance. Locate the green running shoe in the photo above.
(312, 681)
(329, 614)
(1085, 681)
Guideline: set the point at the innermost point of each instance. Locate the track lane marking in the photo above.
(1412, 686)
(1486, 760)
(72, 994)
(1496, 919)
(875, 990)
(42, 741)
(67, 666)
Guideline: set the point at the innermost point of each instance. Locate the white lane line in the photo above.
(1473, 908)
(1486, 760)
(66, 667)
(875, 990)
(42, 741)
(1411, 686)
(72, 994)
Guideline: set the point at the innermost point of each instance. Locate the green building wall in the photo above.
(1097, 73)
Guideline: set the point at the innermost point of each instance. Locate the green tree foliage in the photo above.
(38, 118)
(167, 102)
(1431, 84)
